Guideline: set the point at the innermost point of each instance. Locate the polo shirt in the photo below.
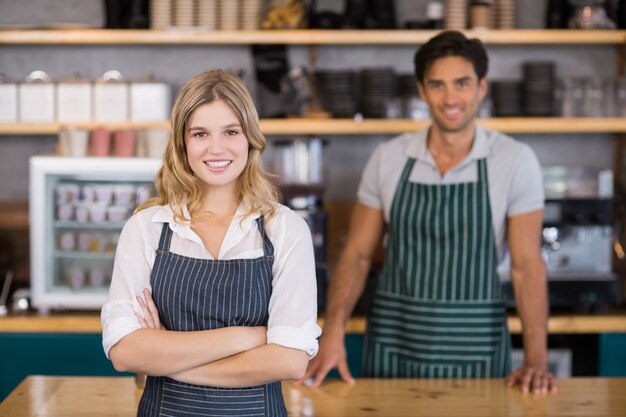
(513, 171)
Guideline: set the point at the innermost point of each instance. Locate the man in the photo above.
(451, 197)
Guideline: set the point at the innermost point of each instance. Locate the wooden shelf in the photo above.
(396, 126)
(302, 37)
(556, 125)
(557, 324)
(548, 125)
(55, 128)
(90, 323)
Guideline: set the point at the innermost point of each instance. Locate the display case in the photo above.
(78, 207)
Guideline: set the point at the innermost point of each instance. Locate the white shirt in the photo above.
(293, 303)
(513, 171)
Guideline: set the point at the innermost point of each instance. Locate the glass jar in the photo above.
(589, 14)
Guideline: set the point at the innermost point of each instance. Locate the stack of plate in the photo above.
(251, 14)
(160, 14)
(183, 13)
(207, 14)
(376, 87)
(506, 14)
(407, 85)
(456, 14)
(493, 14)
(507, 98)
(382, 14)
(539, 83)
(229, 14)
(354, 12)
(338, 91)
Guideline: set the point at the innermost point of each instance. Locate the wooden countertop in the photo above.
(100, 397)
(90, 323)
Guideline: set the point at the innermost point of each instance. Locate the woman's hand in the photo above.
(150, 319)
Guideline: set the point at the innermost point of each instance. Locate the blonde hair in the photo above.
(176, 183)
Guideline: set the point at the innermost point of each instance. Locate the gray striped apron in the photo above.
(201, 294)
(438, 309)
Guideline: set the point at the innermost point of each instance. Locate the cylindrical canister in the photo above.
(111, 98)
(36, 99)
(74, 100)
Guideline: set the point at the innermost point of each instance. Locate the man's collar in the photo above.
(418, 147)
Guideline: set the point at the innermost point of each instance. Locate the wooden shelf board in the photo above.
(556, 125)
(565, 324)
(302, 37)
(55, 128)
(365, 127)
(90, 323)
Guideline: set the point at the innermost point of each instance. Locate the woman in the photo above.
(213, 292)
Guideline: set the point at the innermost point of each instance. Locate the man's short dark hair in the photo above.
(451, 43)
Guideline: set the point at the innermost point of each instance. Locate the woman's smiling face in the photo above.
(217, 149)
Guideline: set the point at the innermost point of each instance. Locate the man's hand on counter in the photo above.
(331, 355)
(536, 379)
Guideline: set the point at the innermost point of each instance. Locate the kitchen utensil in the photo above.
(8, 280)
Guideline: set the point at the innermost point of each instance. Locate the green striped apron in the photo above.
(438, 309)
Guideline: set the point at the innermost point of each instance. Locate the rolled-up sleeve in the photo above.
(526, 188)
(131, 274)
(293, 304)
(369, 188)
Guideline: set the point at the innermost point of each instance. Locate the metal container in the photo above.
(36, 98)
(8, 100)
(577, 182)
(74, 100)
(299, 160)
(150, 101)
(111, 98)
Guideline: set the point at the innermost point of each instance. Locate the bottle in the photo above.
(621, 14)
(557, 14)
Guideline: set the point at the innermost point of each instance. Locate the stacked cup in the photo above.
(74, 142)
(456, 14)
(160, 14)
(207, 14)
(183, 13)
(251, 14)
(229, 15)
(506, 14)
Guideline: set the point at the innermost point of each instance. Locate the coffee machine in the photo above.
(299, 166)
(578, 240)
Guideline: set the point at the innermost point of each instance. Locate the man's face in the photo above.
(453, 93)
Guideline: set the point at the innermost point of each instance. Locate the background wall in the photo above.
(347, 155)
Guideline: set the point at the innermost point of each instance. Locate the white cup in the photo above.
(65, 212)
(97, 213)
(144, 193)
(155, 142)
(96, 277)
(81, 212)
(84, 241)
(67, 241)
(88, 193)
(104, 194)
(75, 277)
(117, 214)
(67, 193)
(74, 142)
(124, 194)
